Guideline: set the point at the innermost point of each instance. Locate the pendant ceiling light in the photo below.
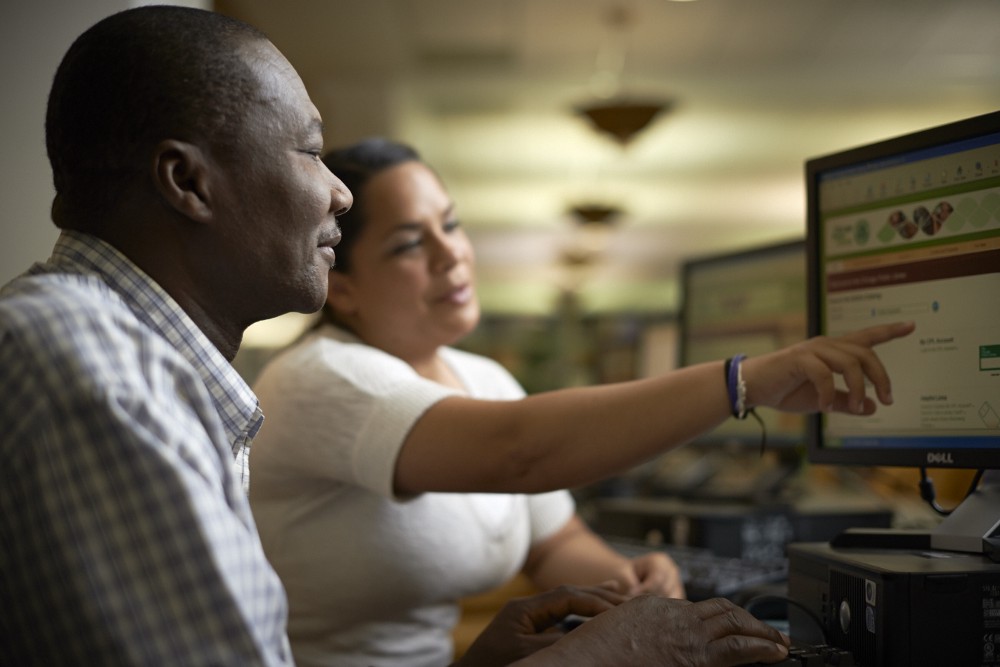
(622, 119)
(595, 214)
(611, 111)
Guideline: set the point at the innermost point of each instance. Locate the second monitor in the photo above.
(748, 301)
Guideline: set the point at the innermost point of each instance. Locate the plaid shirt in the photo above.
(125, 533)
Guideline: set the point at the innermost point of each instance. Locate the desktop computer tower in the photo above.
(896, 607)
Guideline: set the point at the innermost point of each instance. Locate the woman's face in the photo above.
(411, 286)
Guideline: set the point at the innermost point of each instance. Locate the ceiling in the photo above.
(486, 89)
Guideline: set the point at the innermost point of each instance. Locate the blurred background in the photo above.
(580, 224)
(710, 108)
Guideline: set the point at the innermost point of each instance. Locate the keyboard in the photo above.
(705, 573)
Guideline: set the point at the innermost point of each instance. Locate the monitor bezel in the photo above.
(968, 458)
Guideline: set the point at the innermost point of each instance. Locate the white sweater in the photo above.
(373, 579)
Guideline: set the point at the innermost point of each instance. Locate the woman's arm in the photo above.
(558, 439)
(572, 437)
(575, 555)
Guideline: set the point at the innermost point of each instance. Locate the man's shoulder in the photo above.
(38, 295)
(32, 305)
(60, 341)
(51, 318)
(69, 338)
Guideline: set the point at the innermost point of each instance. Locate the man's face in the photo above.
(277, 200)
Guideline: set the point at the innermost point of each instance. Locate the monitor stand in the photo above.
(972, 527)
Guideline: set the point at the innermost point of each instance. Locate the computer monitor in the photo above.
(909, 229)
(750, 301)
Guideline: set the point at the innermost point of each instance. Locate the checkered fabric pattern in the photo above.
(125, 533)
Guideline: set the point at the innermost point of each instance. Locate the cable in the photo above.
(928, 494)
(763, 431)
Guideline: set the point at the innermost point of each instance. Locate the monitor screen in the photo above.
(750, 301)
(909, 229)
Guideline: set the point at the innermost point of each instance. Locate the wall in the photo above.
(34, 35)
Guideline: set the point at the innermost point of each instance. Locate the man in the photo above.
(193, 203)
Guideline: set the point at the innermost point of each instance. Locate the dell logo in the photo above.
(940, 457)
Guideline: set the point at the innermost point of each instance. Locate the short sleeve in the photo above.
(549, 512)
(337, 411)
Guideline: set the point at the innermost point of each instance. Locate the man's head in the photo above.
(131, 80)
(187, 140)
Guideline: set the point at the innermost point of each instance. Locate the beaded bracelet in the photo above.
(736, 387)
(737, 390)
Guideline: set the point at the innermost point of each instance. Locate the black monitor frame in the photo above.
(883, 150)
(974, 526)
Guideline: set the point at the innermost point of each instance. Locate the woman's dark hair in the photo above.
(355, 165)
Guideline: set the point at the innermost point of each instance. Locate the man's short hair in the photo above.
(133, 79)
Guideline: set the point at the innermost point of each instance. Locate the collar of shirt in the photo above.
(77, 252)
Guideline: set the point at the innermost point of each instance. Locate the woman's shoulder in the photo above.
(329, 355)
(483, 376)
(472, 360)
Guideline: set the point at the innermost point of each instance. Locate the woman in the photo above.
(372, 415)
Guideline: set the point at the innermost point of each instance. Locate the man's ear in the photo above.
(340, 293)
(182, 176)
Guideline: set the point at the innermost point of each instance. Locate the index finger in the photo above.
(865, 339)
(546, 609)
(738, 637)
(880, 333)
(742, 650)
(726, 618)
